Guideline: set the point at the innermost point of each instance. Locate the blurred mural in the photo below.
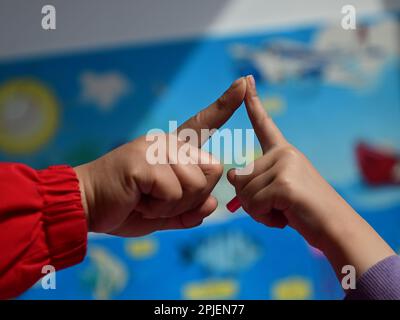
(334, 93)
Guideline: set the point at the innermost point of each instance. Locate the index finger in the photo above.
(267, 132)
(215, 115)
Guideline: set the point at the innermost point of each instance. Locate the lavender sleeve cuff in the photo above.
(380, 282)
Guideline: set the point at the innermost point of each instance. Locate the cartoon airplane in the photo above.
(282, 60)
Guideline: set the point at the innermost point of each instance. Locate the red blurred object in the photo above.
(378, 166)
(233, 205)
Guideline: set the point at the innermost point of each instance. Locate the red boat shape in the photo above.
(378, 166)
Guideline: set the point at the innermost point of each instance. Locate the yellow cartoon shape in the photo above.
(294, 288)
(211, 289)
(274, 105)
(142, 248)
(28, 116)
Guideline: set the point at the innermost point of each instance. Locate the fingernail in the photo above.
(233, 205)
(251, 81)
(236, 82)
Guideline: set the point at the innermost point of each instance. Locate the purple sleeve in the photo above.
(380, 282)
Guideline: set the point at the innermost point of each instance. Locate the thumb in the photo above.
(216, 114)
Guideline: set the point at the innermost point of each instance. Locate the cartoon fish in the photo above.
(224, 253)
(106, 275)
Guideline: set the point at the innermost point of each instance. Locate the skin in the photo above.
(285, 189)
(124, 195)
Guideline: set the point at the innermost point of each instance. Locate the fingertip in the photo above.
(212, 203)
(238, 82)
(251, 88)
(208, 207)
(217, 166)
(251, 82)
(194, 218)
(231, 174)
(236, 92)
(210, 165)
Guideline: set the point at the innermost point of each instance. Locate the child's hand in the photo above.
(284, 188)
(124, 194)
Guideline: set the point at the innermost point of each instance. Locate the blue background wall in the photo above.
(85, 104)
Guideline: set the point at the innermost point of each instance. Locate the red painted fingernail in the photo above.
(233, 205)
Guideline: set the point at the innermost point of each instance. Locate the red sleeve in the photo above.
(42, 222)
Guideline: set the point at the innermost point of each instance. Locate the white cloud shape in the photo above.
(350, 58)
(104, 90)
(374, 198)
(358, 55)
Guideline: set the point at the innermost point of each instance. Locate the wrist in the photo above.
(82, 175)
(350, 240)
(340, 227)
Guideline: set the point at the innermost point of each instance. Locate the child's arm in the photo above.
(284, 188)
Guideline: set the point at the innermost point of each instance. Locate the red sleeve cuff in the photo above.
(64, 220)
(42, 222)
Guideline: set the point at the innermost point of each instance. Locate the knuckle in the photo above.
(218, 169)
(175, 194)
(198, 120)
(199, 184)
(203, 184)
(283, 182)
(288, 152)
(221, 102)
(285, 189)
